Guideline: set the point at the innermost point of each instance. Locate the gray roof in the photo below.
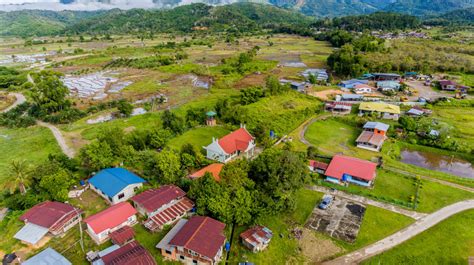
(164, 243)
(352, 96)
(31, 233)
(376, 125)
(416, 112)
(48, 256)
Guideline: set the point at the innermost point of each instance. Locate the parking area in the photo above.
(341, 220)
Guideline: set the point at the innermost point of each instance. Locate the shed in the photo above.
(48, 256)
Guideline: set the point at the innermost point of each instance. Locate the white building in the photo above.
(116, 184)
(232, 145)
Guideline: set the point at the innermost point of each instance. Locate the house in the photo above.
(345, 169)
(318, 167)
(256, 238)
(298, 86)
(386, 111)
(122, 235)
(363, 89)
(48, 256)
(47, 217)
(102, 224)
(448, 85)
(116, 184)
(373, 136)
(349, 97)
(339, 107)
(388, 86)
(214, 169)
(131, 253)
(417, 112)
(319, 74)
(162, 206)
(349, 84)
(199, 240)
(232, 145)
(386, 77)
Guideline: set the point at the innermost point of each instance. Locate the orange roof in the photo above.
(236, 140)
(214, 169)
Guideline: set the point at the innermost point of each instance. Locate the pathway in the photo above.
(69, 152)
(364, 200)
(403, 235)
(307, 124)
(19, 100)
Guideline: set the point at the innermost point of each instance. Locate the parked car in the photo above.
(326, 202)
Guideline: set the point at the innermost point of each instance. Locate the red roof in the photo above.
(317, 164)
(236, 141)
(154, 199)
(257, 235)
(355, 167)
(214, 169)
(169, 214)
(110, 217)
(202, 235)
(129, 254)
(48, 213)
(122, 235)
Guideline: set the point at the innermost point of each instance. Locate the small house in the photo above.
(339, 107)
(48, 256)
(102, 224)
(319, 74)
(47, 217)
(162, 206)
(214, 169)
(211, 118)
(373, 136)
(230, 146)
(256, 238)
(318, 167)
(122, 235)
(350, 97)
(363, 89)
(344, 169)
(116, 184)
(199, 240)
(386, 77)
(388, 86)
(448, 85)
(349, 84)
(129, 254)
(417, 112)
(386, 111)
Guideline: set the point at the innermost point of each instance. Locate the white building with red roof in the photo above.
(199, 240)
(230, 146)
(102, 224)
(162, 206)
(345, 169)
(47, 217)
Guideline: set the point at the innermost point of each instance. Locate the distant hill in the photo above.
(374, 21)
(428, 7)
(456, 17)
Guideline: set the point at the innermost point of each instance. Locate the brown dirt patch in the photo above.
(317, 249)
(251, 80)
(326, 94)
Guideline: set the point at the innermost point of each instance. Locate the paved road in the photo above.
(19, 100)
(404, 234)
(59, 138)
(364, 200)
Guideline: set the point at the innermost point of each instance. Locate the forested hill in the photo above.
(460, 16)
(428, 7)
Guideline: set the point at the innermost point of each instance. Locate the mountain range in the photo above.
(318, 8)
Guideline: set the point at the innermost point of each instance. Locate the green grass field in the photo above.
(449, 242)
(32, 144)
(198, 137)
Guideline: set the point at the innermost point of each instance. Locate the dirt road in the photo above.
(403, 235)
(59, 138)
(19, 100)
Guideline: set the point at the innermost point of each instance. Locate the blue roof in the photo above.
(113, 180)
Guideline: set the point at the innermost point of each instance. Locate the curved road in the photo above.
(19, 100)
(69, 152)
(403, 235)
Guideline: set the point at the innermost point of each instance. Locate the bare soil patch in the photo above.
(325, 94)
(317, 249)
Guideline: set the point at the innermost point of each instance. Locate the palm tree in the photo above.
(20, 172)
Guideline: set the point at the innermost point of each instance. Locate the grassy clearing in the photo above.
(32, 144)
(461, 120)
(283, 246)
(434, 196)
(198, 137)
(450, 242)
(378, 223)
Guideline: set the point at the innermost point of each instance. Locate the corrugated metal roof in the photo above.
(31, 233)
(113, 180)
(164, 243)
(48, 256)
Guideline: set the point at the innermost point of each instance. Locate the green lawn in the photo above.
(450, 242)
(434, 196)
(198, 137)
(378, 223)
(283, 246)
(32, 144)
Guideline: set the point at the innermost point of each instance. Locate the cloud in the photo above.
(11, 5)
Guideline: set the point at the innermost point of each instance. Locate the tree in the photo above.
(97, 155)
(312, 79)
(124, 108)
(57, 184)
(20, 174)
(173, 122)
(165, 167)
(159, 138)
(250, 95)
(49, 94)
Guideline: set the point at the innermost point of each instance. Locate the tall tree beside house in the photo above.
(96, 155)
(56, 183)
(49, 93)
(164, 167)
(20, 173)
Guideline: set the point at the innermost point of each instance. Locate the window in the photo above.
(168, 252)
(121, 195)
(195, 261)
(181, 257)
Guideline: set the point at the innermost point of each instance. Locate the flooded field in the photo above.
(447, 164)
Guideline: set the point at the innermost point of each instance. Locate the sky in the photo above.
(10, 5)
